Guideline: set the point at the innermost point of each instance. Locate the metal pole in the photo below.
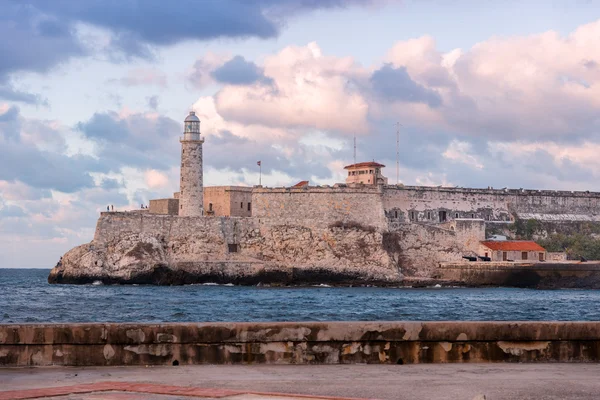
(355, 148)
(260, 174)
(398, 152)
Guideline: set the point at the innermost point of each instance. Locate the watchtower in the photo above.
(191, 184)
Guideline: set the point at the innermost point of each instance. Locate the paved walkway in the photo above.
(142, 391)
(241, 382)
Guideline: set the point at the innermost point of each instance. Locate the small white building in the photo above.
(512, 250)
(367, 173)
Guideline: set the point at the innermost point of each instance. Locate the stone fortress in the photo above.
(364, 231)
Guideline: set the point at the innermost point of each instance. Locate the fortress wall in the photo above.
(324, 205)
(488, 204)
(100, 344)
(469, 233)
(426, 202)
(425, 246)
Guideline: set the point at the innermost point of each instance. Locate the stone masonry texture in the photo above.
(191, 190)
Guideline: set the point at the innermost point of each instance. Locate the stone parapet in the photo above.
(540, 275)
(298, 343)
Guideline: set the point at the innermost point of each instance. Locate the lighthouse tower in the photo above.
(191, 195)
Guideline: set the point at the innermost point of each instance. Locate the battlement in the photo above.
(503, 191)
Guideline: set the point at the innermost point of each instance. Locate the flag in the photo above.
(258, 163)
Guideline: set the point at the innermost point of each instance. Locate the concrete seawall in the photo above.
(298, 343)
(540, 275)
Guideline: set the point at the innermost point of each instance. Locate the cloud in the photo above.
(31, 40)
(111, 183)
(156, 179)
(137, 140)
(200, 74)
(238, 71)
(312, 90)
(137, 27)
(23, 161)
(8, 93)
(143, 77)
(153, 102)
(396, 85)
(461, 152)
(9, 211)
(19, 191)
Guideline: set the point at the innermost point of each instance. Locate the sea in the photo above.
(26, 297)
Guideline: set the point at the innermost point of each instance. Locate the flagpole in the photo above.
(259, 163)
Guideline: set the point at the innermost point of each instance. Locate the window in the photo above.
(524, 255)
(428, 214)
(504, 256)
(395, 214)
(242, 204)
(249, 207)
(210, 207)
(472, 215)
(541, 256)
(456, 215)
(181, 207)
(412, 215)
(486, 254)
(442, 215)
(232, 247)
(349, 173)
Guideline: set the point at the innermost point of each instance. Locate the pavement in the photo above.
(291, 382)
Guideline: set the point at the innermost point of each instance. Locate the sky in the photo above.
(93, 95)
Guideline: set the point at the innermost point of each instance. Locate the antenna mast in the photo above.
(355, 148)
(398, 125)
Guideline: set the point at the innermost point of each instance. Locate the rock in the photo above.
(274, 254)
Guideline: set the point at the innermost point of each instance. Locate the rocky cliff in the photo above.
(157, 249)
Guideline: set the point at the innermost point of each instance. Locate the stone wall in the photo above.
(164, 206)
(216, 201)
(556, 256)
(539, 275)
(424, 246)
(424, 204)
(104, 344)
(325, 205)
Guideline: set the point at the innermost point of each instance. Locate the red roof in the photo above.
(513, 245)
(301, 184)
(364, 165)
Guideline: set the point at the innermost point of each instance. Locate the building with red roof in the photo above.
(512, 250)
(367, 173)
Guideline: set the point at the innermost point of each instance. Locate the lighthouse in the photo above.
(191, 195)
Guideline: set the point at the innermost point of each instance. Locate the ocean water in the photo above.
(25, 296)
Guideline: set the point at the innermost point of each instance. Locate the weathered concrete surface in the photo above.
(541, 275)
(298, 343)
(394, 382)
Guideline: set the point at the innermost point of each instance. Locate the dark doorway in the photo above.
(442, 216)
